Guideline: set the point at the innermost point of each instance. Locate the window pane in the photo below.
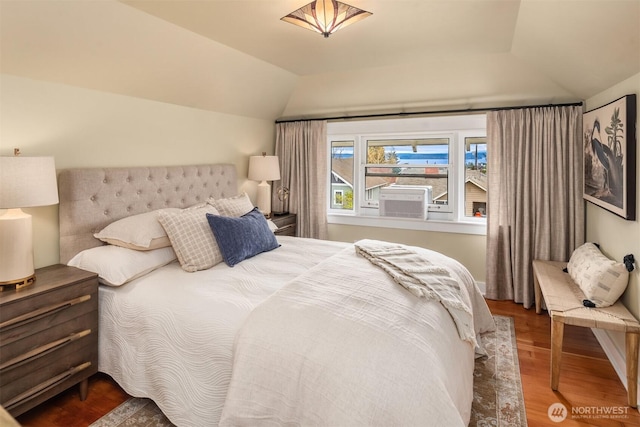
(341, 175)
(408, 151)
(475, 181)
(408, 163)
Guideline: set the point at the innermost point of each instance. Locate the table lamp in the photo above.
(24, 182)
(264, 168)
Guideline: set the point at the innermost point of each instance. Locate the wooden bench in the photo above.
(564, 304)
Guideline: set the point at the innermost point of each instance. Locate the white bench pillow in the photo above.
(601, 279)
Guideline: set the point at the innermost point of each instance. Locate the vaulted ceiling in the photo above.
(238, 57)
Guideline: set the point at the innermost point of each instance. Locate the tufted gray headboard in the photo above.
(90, 199)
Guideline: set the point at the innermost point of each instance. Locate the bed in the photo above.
(308, 332)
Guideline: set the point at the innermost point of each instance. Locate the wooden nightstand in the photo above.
(48, 337)
(286, 224)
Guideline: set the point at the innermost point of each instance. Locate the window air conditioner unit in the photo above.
(405, 202)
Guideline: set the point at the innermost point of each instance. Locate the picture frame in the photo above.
(609, 145)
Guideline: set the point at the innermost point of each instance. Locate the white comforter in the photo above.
(169, 335)
(344, 345)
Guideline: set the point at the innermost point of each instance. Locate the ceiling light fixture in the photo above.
(325, 16)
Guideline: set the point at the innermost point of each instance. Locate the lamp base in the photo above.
(17, 284)
(16, 250)
(264, 198)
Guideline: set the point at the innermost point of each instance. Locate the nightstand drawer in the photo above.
(48, 324)
(45, 362)
(286, 223)
(26, 310)
(40, 392)
(287, 230)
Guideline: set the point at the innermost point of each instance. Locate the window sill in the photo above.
(478, 227)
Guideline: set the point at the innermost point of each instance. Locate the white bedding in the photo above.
(168, 335)
(344, 345)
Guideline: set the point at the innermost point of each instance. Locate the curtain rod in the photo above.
(422, 113)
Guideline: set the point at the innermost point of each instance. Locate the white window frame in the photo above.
(397, 136)
(456, 128)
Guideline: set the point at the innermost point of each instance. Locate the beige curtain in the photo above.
(535, 206)
(301, 148)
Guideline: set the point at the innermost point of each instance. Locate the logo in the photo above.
(557, 412)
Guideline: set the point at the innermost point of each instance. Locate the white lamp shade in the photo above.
(264, 168)
(27, 182)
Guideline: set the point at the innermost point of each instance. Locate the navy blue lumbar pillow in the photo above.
(243, 237)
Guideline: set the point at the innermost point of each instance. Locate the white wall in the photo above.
(468, 249)
(616, 236)
(462, 83)
(87, 128)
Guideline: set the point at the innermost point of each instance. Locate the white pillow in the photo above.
(272, 225)
(116, 265)
(235, 206)
(601, 280)
(142, 232)
(192, 238)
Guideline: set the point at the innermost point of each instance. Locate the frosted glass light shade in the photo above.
(325, 16)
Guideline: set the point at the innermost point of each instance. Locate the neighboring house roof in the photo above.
(342, 169)
(477, 178)
(439, 186)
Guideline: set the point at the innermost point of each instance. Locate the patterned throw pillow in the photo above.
(232, 206)
(242, 238)
(191, 237)
(601, 280)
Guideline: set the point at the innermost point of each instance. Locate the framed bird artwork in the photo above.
(610, 156)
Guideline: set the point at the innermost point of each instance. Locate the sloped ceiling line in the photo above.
(426, 54)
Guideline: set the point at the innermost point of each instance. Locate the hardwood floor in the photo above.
(66, 409)
(587, 381)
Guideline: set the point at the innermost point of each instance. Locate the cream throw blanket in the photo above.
(423, 279)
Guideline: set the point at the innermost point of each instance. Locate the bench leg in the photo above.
(538, 294)
(557, 333)
(632, 367)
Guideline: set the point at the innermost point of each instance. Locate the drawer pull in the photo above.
(43, 387)
(42, 312)
(42, 350)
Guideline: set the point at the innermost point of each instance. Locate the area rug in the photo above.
(497, 389)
